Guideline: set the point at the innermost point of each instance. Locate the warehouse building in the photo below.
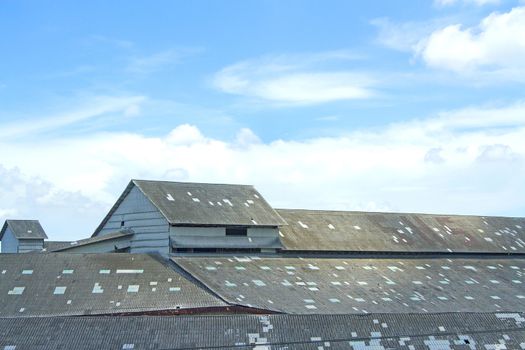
(185, 266)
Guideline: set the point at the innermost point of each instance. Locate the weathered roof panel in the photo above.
(323, 230)
(343, 286)
(378, 332)
(79, 284)
(209, 204)
(119, 237)
(24, 229)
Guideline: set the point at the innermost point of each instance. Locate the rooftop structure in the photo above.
(21, 236)
(215, 266)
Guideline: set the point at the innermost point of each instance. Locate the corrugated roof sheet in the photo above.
(24, 229)
(80, 284)
(316, 332)
(361, 231)
(116, 236)
(339, 286)
(209, 204)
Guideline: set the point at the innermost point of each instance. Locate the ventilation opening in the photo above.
(236, 231)
(122, 224)
(466, 341)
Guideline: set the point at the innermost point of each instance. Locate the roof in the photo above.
(24, 229)
(343, 286)
(116, 236)
(185, 203)
(379, 332)
(50, 246)
(323, 230)
(59, 284)
(209, 204)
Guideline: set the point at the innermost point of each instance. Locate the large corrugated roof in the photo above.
(322, 230)
(24, 229)
(79, 284)
(377, 332)
(209, 204)
(338, 286)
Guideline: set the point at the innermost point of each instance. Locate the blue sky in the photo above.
(377, 105)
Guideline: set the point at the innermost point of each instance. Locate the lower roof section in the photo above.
(322, 230)
(378, 332)
(360, 286)
(57, 284)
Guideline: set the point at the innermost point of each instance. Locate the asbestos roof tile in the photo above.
(336, 286)
(323, 230)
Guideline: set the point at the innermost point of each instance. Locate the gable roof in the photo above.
(185, 203)
(24, 229)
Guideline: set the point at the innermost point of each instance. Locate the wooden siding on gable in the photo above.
(9, 242)
(30, 245)
(140, 215)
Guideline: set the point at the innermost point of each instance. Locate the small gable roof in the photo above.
(24, 229)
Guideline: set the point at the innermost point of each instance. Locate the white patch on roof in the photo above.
(60, 290)
(303, 225)
(16, 291)
(331, 227)
(97, 289)
(196, 199)
(133, 288)
(27, 272)
(169, 197)
(130, 271)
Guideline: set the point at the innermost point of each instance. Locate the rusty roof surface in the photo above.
(350, 332)
(342, 286)
(60, 284)
(396, 232)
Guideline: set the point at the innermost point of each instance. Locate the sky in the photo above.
(397, 106)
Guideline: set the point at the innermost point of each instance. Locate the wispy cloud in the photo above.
(144, 64)
(466, 2)
(295, 79)
(94, 107)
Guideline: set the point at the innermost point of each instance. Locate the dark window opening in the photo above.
(466, 341)
(236, 231)
(122, 223)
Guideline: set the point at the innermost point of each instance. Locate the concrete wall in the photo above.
(9, 242)
(150, 227)
(30, 245)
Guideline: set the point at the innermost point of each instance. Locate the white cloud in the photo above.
(470, 2)
(466, 161)
(496, 44)
(294, 79)
(94, 107)
(26, 197)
